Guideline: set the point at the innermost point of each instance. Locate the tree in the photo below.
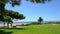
(8, 20)
(11, 13)
(9, 16)
(14, 15)
(40, 20)
(17, 2)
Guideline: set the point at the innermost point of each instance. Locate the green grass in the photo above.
(36, 29)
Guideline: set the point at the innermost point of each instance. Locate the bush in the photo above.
(27, 24)
(14, 26)
(33, 23)
(22, 24)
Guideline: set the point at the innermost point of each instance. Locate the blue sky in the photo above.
(50, 11)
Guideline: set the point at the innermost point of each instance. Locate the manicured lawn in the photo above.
(36, 29)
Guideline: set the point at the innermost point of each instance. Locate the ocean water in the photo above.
(18, 23)
(21, 22)
(15, 23)
(28, 22)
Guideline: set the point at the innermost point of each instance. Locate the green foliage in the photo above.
(7, 19)
(13, 3)
(18, 2)
(2, 7)
(34, 23)
(6, 15)
(38, 1)
(14, 15)
(52, 22)
(40, 20)
(3, 1)
(1, 17)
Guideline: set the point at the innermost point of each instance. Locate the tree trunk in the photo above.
(11, 25)
(7, 25)
(4, 24)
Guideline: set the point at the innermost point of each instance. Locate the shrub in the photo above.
(14, 26)
(33, 23)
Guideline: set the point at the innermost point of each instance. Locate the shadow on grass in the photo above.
(3, 32)
(14, 28)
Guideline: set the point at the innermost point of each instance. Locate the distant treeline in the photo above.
(52, 23)
(46, 23)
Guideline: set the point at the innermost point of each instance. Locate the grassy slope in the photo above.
(36, 29)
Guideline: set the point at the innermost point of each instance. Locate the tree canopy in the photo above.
(13, 14)
(7, 15)
(40, 20)
(18, 2)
